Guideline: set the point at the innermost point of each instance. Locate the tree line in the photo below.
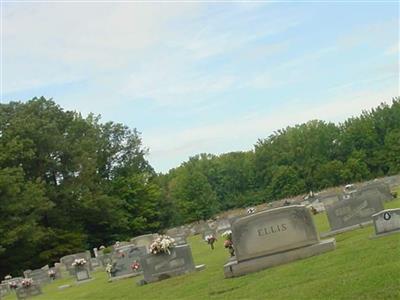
(70, 183)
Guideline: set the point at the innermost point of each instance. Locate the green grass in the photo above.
(360, 268)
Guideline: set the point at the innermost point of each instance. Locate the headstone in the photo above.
(126, 262)
(4, 289)
(82, 273)
(104, 259)
(223, 225)
(95, 263)
(380, 189)
(329, 199)
(157, 267)
(387, 222)
(95, 251)
(144, 240)
(180, 239)
(27, 292)
(208, 232)
(16, 280)
(351, 213)
(273, 237)
(69, 259)
(39, 276)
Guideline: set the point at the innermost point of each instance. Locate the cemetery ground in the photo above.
(360, 268)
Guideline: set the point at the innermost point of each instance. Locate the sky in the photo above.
(202, 77)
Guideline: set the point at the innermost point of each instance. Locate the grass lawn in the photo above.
(360, 268)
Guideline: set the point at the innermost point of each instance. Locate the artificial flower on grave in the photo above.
(228, 242)
(79, 262)
(210, 238)
(27, 282)
(162, 244)
(109, 268)
(13, 285)
(135, 266)
(52, 274)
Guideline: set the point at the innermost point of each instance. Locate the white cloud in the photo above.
(167, 149)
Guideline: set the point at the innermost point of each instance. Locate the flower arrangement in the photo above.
(210, 239)
(109, 268)
(162, 244)
(13, 285)
(27, 282)
(228, 242)
(102, 247)
(78, 262)
(52, 274)
(251, 210)
(8, 277)
(135, 266)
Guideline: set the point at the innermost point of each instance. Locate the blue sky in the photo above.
(203, 77)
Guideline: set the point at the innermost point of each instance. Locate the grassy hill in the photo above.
(360, 268)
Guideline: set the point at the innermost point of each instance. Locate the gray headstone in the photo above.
(69, 259)
(180, 239)
(4, 289)
(123, 258)
(39, 276)
(27, 292)
(144, 240)
(162, 266)
(104, 259)
(95, 262)
(387, 221)
(357, 209)
(223, 225)
(82, 273)
(273, 237)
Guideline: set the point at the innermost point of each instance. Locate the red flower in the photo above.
(135, 266)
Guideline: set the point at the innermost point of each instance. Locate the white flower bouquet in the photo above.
(78, 262)
(227, 234)
(162, 244)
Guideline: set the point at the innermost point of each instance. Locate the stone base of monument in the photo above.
(197, 268)
(345, 229)
(234, 268)
(375, 236)
(83, 281)
(115, 278)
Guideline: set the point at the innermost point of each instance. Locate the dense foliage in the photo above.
(69, 183)
(292, 161)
